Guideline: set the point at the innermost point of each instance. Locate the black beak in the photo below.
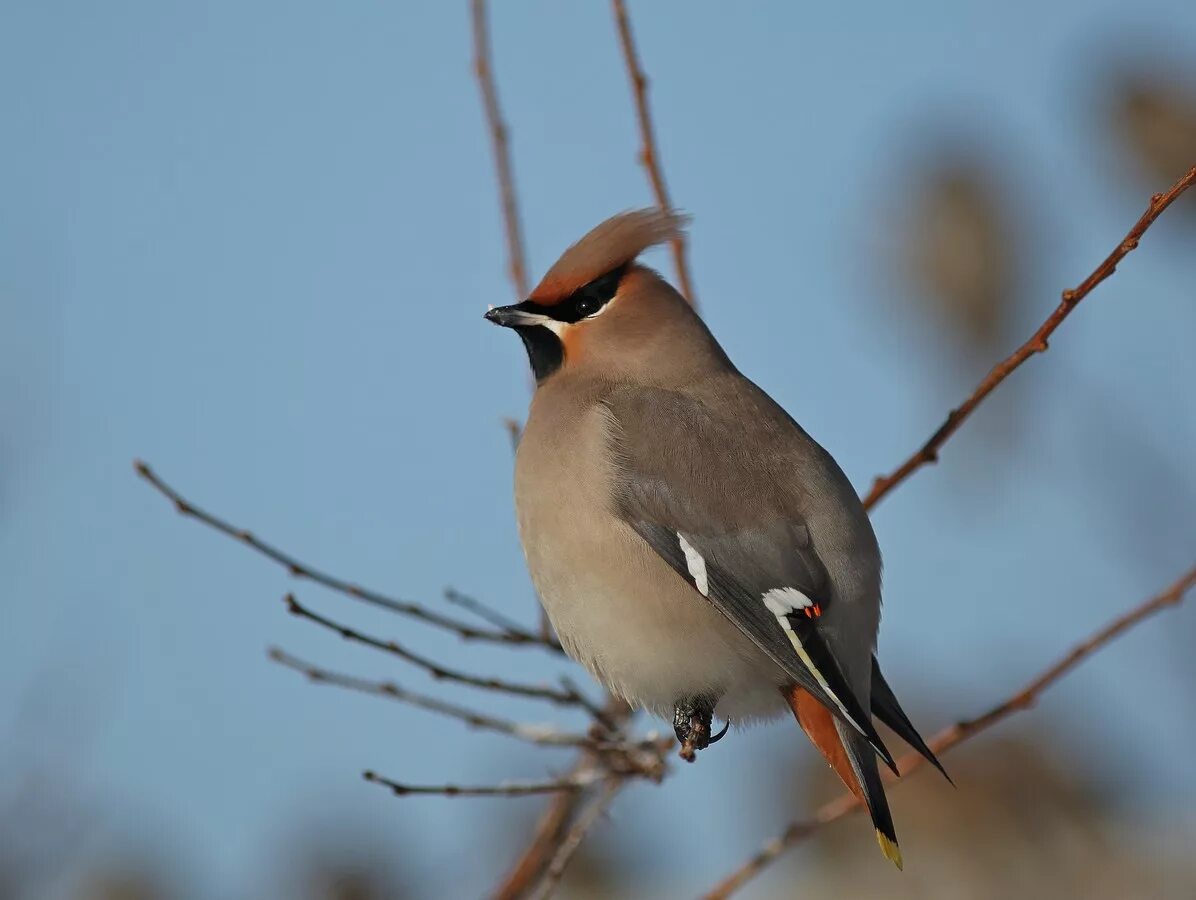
(513, 316)
(500, 315)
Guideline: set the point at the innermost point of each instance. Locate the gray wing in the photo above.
(733, 533)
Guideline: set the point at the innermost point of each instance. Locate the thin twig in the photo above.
(586, 820)
(483, 69)
(495, 617)
(303, 570)
(1037, 343)
(960, 731)
(649, 156)
(573, 783)
(433, 668)
(541, 735)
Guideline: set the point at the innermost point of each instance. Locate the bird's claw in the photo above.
(692, 725)
(715, 738)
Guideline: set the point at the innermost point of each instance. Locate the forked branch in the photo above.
(566, 696)
(540, 735)
(298, 569)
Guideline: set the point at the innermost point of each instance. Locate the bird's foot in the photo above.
(692, 725)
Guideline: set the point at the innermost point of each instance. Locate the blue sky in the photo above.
(253, 246)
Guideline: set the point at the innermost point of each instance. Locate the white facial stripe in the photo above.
(548, 322)
(695, 564)
(524, 318)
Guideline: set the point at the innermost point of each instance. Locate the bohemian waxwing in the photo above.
(695, 549)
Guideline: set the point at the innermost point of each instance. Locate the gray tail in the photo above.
(862, 758)
(886, 708)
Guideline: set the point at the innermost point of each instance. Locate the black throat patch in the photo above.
(544, 350)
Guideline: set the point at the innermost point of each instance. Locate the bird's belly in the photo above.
(652, 646)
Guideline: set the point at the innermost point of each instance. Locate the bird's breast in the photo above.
(618, 608)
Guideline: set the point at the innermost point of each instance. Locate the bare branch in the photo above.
(541, 735)
(483, 70)
(494, 617)
(437, 671)
(302, 570)
(649, 157)
(1037, 343)
(960, 731)
(586, 820)
(572, 783)
(552, 826)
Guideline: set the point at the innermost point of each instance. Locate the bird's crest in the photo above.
(614, 243)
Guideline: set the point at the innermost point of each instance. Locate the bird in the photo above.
(694, 549)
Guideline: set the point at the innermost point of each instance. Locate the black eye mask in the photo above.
(583, 302)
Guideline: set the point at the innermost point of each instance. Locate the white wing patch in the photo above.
(695, 564)
(786, 600)
(782, 602)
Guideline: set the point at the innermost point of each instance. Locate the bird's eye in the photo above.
(588, 301)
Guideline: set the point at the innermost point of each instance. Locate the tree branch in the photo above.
(572, 783)
(497, 618)
(565, 697)
(483, 70)
(1037, 343)
(302, 570)
(649, 156)
(586, 820)
(552, 827)
(961, 731)
(541, 735)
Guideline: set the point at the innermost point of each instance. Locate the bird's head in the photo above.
(597, 309)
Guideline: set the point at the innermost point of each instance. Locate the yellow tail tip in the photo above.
(890, 849)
